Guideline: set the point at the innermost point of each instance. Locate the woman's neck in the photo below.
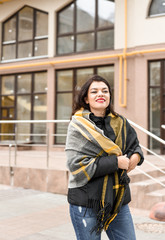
(99, 113)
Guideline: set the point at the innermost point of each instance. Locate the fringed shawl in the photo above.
(85, 142)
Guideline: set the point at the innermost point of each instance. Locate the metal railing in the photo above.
(48, 135)
(151, 152)
(15, 143)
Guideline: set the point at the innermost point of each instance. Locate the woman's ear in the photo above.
(86, 100)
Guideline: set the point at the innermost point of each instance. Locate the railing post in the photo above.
(47, 144)
(10, 167)
(16, 134)
(10, 145)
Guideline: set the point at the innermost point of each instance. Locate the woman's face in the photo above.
(98, 98)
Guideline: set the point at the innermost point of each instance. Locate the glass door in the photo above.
(157, 104)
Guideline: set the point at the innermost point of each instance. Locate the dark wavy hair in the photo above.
(79, 101)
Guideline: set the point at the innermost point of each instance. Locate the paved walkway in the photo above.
(27, 214)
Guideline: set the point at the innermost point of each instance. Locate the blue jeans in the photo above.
(84, 219)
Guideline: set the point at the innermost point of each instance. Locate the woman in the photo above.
(101, 148)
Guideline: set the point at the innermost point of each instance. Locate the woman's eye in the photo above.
(94, 92)
(105, 91)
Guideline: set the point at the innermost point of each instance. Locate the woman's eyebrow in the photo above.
(97, 88)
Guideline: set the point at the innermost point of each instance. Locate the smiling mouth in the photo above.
(101, 100)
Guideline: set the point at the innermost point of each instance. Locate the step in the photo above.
(147, 185)
(156, 196)
(139, 191)
(149, 199)
(138, 176)
(141, 188)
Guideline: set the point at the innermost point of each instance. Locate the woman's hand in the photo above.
(133, 161)
(123, 162)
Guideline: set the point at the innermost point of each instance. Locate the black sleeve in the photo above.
(132, 143)
(106, 165)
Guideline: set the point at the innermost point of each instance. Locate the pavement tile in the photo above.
(27, 214)
(37, 236)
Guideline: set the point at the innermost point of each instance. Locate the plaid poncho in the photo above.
(85, 142)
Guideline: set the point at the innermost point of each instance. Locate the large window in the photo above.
(68, 82)
(23, 97)
(157, 103)
(86, 26)
(25, 34)
(157, 7)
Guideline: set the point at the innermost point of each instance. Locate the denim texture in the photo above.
(84, 219)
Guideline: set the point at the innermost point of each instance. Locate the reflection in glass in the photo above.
(66, 20)
(155, 117)
(6, 129)
(105, 39)
(85, 42)
(85, 15)
(106, 12)
(4, 113)
(65, 80)
(64, 110)
(7, 101)
(88, 21)
(64, 105)
(7, 84)
(65, 44)
(82, 76)
(107, 73)
(41, 47)
(9, 52)
(23, 113)
(40, 110)
(25, 24)
(11, 113)
(25, 50)
(24, 83)
(155, 73)
(40, 82)
(157, 8)
(10, 30)
(42, 24)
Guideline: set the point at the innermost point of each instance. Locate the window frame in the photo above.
(17, 42)
(31, 94)
(75, 33)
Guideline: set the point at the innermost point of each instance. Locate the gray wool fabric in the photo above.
(84, 143)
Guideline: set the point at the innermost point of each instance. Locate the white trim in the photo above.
(23, 59)
(8, 42)
(41, 37)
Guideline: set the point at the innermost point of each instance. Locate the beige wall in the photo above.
(141, 29)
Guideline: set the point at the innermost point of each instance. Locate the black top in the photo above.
(78, 196)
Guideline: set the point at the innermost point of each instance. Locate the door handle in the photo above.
(163, 126)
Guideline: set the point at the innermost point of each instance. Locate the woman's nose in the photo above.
(100, 93)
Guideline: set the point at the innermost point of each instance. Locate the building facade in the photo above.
(49, 49)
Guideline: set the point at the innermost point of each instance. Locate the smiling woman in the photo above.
(98, 98)
(101, 148)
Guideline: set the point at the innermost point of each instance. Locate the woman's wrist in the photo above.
(138, 157)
